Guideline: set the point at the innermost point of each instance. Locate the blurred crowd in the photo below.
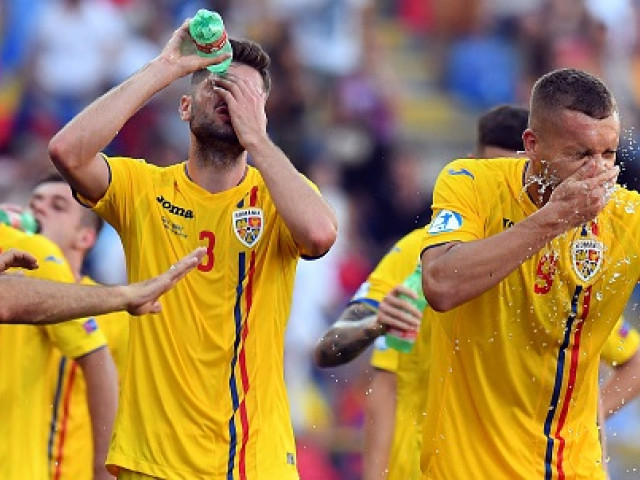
(341, 109)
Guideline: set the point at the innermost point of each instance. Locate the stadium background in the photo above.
(371, 98)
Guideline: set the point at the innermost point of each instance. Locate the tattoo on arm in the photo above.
(349, 336)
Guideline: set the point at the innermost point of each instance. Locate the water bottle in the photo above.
(208, 33)
(403, 340)
(24, 221)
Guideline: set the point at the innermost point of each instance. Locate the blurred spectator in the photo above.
(482, 68)
(562, 33)
(287, 105)
(406, 201)
(329, 35)
(364, 123)
(74, 44)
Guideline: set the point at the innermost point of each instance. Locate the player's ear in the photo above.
(530, 142)
(185, 108)
(86, 238)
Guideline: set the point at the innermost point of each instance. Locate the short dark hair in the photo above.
(249, 53)
(502, 127)
(571, 89)
(89, 217)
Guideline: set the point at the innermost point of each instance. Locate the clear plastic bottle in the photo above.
(403, 340)
(24, 221)
(208, 33)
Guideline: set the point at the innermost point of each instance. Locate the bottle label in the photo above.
(409, 335)
(213, 46)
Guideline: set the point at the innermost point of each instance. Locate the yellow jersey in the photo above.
(27, 352)
(621, 345)
(411, 369)
(514, 377)
(70, 442)
(203, 394)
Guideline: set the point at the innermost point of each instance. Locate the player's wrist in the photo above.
(548, 223)
(378, 328)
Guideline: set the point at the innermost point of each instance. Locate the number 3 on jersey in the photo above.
(209, 259)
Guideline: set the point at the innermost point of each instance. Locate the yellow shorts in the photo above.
(130, 475)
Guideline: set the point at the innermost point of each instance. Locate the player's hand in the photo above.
(13, 258)
(581, 196)
(397, 312)
(246, 103)
(143, 297)
(181, 52)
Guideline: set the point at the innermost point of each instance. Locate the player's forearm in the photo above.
(622, 387)
(349, 336)
(457, 272)
(603, 437)
(33, 301)
(102, 398)
(308, 216)
(379, 425)
(96, 126)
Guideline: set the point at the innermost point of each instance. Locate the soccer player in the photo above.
(623, 355)
(392, 442)
(204, 393)
(528, 264)
(27, 300)
(74, 229)
(499, 132)
(27, 353)
(397, 386)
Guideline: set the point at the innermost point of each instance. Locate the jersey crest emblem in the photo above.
(247, 225)
(586, 257)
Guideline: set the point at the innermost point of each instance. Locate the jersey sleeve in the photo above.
(397, 264)
(394, 267)
(74, 338)
(456, 215)
(118, 202)
(77, 338)
(621, 345)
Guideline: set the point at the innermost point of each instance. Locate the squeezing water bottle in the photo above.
(24, 221)
(208, 33)
(403, 340)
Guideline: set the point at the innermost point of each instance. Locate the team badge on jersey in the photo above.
(586, 257)
(90, 325)
(445, 221)
(247, 225)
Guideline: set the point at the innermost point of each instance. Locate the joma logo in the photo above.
(174, 209)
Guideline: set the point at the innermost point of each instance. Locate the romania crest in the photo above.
(586, 257)
(247, 225)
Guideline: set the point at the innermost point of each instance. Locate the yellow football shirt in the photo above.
(203, 393)
(514, 378)
(70, 443)
(26, 355)
(411, 369)
(621, 345)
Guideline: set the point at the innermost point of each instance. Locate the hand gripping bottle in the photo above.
(208, 33)
(403, 340)
(24, 221)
